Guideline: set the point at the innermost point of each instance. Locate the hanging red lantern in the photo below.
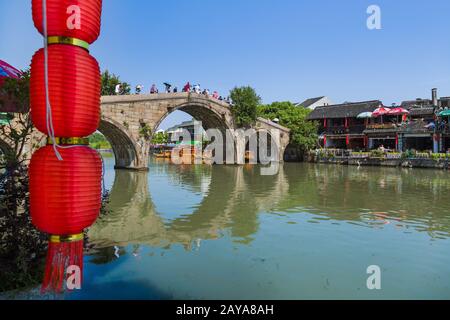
(65, 198)
(79, 19)
(74, 91)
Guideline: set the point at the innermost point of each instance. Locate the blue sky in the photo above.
(285, 49)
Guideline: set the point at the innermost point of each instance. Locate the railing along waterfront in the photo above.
(352, 129)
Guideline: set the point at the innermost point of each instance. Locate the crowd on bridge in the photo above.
(169, 88)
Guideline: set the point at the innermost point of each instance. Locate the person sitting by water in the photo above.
(153, 89)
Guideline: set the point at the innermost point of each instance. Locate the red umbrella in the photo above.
(397, 111)
(7, 71)
(381, 111)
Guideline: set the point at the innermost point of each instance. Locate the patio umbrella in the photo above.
(381, 111)
(7, 71)
(445, 113)
(364, 115)
(397, 112)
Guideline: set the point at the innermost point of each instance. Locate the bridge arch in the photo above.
(125, 148)
(148, 111)
(211, 117)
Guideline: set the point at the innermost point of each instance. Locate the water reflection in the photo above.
(227, 201)
(311, 231)
(214, 200)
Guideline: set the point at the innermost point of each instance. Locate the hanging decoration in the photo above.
(74, 90)
(65, 176)
(76, 19)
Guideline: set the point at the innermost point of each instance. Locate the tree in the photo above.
(22, 247)
(15, 129)
(245, 104)
(109, 82)
(98, 141)
(303, 131)
(160, 138)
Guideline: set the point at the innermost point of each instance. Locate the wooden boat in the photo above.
(164, 154)
(249, 156)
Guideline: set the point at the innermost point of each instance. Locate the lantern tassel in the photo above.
(63, 252)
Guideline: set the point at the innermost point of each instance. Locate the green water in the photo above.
(310, 232)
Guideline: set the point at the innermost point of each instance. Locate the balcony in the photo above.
(382, 127)
(352, 129)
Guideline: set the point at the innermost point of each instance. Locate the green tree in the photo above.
(245, 104)
(16, 128)
(109, 82)
(98, 141)
(22, 247)
(160, 138)
(303, 131)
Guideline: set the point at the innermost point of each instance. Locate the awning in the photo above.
(445, 113)
(364, 115)
(397, 112)
(380, 112)
(7, 71)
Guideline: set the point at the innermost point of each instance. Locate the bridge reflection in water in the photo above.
(227, 201)
(230, 199)
(226, 232)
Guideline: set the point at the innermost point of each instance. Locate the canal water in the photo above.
(309, 232)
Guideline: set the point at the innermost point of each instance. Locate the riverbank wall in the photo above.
(441, 164)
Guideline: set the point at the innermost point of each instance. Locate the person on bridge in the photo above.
(139, 88)
(215, 95)
(187, 87)
(153, 89)
(117, 89)
(175, 90)
(197, 89)
(168, 87)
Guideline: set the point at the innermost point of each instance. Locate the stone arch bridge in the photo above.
(125, 120)
(129, 120)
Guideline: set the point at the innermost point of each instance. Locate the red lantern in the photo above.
(65, 196)
(78, 19)
(74, 91)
